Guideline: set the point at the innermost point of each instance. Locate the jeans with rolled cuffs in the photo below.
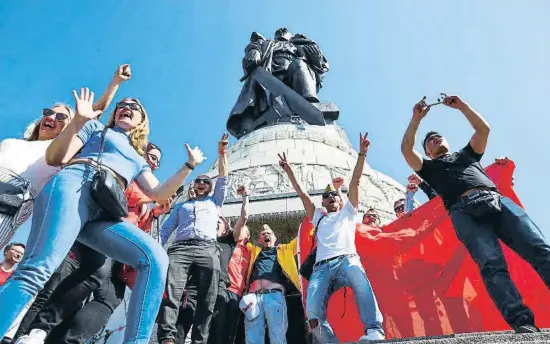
(65, 211)
(331, 275)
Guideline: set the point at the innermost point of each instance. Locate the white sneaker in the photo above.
(35, 337)
(371, 335)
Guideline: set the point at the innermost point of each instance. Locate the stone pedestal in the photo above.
(317, 154)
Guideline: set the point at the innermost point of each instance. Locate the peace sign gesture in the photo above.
(283, 162)
(364, 143)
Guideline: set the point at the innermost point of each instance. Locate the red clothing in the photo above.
(4, 276)
(136, 199)
(238, 267)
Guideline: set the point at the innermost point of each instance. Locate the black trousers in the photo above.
(81, 326)
(480, 220)
(187, 312)
(66, 290)
(202, 260)
(226, 317)
(91, 269)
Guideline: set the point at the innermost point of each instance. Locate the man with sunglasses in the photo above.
(337, 263)
(480, 214)
(195, 248)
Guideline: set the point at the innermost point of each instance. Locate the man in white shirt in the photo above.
(337, 264)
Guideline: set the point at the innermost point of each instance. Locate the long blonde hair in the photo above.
(138, 135)
(33, 129)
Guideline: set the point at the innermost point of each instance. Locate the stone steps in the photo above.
(467, 338)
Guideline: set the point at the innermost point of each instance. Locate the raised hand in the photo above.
(122, 74)
(502, 160)
(337, 182)
(283, 162)
(364, 143)
(160, 209)
(454, 102)
(420, 109)
(84, 104)
(222, 144)
(414, 179)
(242, 190)
(191, 193)
(411, 187)
(194, 156)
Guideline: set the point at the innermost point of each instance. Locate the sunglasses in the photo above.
(399, 209)
(60, 116)
(203, 180)
(439, 100)
(374, 216)
(328, 194)
(132, 106)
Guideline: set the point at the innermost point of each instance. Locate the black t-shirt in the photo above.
(453, 174)
(227, 245)
(267, 267)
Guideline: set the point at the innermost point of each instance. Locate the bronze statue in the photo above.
(282, 79)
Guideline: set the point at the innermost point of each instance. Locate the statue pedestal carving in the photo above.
(318, 154)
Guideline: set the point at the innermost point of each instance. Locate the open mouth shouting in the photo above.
(126, 113)
(48, 123)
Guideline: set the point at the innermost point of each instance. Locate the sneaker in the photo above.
(35, 337)
(527, 329)
(373, 334)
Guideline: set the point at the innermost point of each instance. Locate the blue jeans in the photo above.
(331, 275)
(479, 221)
(272, 309)
(65, 211)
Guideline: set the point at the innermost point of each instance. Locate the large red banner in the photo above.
(424, 280)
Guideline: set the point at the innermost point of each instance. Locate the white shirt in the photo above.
(27, 159)
(336, 232)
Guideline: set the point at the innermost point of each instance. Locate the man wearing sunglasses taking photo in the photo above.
(194, 248)
(337, 264)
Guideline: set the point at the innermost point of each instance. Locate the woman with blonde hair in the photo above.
(85, 200)
(23, 168)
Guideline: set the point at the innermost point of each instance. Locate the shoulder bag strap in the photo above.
(101, 146)
(315, 231)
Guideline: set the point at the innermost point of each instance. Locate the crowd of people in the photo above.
(94, 197)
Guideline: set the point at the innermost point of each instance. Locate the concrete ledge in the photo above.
(467, 338)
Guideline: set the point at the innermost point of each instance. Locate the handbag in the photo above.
(106, 190)
(306, 268)
(13, 196)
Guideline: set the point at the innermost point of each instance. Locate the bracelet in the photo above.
(245, 195)
(361, 154)
(191, 167)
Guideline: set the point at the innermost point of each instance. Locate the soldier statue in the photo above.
(297, 62)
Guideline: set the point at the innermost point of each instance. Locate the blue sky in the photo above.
(384, 56)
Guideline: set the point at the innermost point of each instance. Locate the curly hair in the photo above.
(33, 129)
(138, 135)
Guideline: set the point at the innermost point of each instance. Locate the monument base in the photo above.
(467, 338)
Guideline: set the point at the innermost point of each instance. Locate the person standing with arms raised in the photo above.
(337, 264)
(480, 214)
(70, 193)
(195, 247)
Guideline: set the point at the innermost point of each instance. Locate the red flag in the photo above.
(423, 278)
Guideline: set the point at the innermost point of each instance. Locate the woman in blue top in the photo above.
(65, 211)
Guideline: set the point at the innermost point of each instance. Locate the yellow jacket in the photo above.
(285, 257)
